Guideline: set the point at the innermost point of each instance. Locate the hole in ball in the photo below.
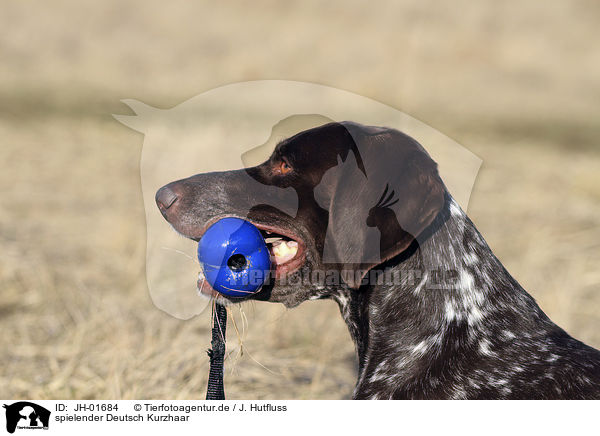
(237, 262)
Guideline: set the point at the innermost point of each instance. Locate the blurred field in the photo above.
(516, 84)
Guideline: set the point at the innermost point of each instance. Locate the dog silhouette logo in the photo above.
(26, 415)
(218, 131)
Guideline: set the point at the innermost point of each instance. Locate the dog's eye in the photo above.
(284, 167)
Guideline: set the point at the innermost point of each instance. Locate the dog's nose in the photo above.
(165, 198)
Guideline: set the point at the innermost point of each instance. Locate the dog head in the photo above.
(343, 197)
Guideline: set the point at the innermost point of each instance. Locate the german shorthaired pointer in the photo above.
(359, 214)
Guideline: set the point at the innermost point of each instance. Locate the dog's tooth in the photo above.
(279, 249)
(292, 244)
(272, 240)
(284, 252)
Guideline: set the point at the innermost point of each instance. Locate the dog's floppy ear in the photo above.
(378, 209)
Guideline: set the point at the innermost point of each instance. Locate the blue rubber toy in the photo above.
(234, 257)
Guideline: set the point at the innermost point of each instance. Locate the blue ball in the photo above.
(234, 257)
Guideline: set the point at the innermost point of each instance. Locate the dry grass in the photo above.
(516, 85)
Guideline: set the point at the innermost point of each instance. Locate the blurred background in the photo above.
(516, 83)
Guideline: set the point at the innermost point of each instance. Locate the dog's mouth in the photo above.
(288, 254)
(287, 251)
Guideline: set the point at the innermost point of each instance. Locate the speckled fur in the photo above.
(483, 338)
(475, 335)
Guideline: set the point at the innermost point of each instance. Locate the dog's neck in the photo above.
(445, 302)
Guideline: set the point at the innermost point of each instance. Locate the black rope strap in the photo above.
(215, 389)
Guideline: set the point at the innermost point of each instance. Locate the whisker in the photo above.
(261, 365)
(240, 341)
(181, 252)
